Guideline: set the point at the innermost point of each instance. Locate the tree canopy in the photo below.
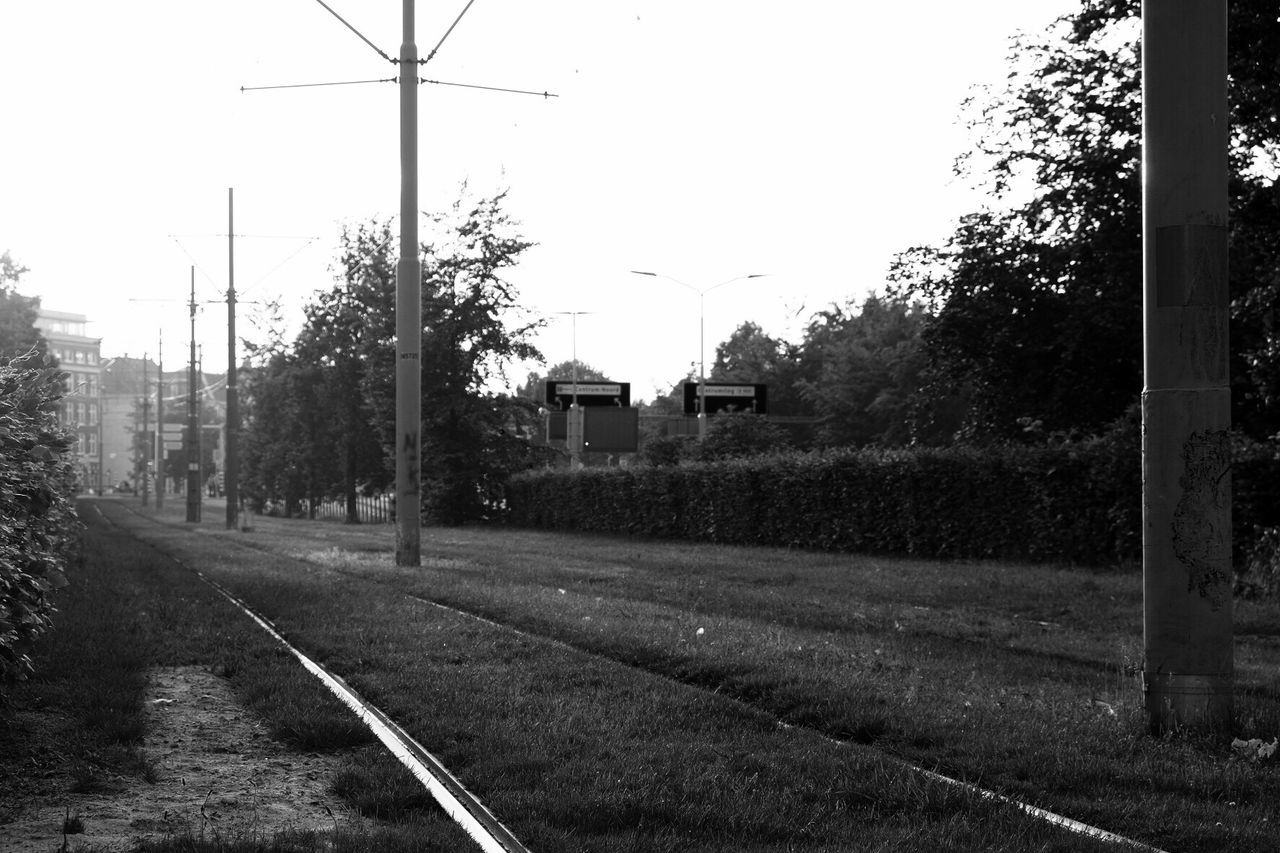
(321, 416)
(1037, 305)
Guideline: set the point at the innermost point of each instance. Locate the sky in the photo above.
(805, 142)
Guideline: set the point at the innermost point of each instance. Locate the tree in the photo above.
(18, 333)
(321, 411)
(531, 388)
(1037, 306)
(866, 371)
(472, 438)
(333, 342)
(750, 355)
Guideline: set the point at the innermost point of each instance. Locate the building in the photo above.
(130, 405)
(80, 356)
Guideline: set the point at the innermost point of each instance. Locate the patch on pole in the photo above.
(1200, 542)
(1191, 266)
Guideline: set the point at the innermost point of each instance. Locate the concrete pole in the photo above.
(1186, 473)
(702, 365)
(408, 315)
(231, 463)
(193, 420)
(146, 451)
(160, 450)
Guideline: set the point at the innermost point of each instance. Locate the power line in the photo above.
(194, 262)
(432, 54)
(377, 49)
(311, 85)
(273, 270)
(488, 88)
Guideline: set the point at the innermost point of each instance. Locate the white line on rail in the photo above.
(456, 800)
(459, 803)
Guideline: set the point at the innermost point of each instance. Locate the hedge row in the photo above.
(38, 527)
(1079, 503)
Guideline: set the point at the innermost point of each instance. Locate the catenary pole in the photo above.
(146, 426)
(193, 420)
(1186, 541)
(408, 314)
(160, 449)
(231, 458)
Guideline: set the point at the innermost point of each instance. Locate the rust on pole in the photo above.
(1186, 474)
(408, 314)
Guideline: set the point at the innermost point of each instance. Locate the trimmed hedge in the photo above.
(38, 527)
(1072, 503)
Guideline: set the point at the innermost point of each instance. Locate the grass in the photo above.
(639, 711)
(130, 608)
(1020, 678)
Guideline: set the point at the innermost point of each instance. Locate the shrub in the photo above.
(1064, 500)
(38, 529)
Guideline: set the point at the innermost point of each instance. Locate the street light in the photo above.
(702, 335)
(574, 424)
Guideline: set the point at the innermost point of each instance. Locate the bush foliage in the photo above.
(1070, 502)
(38, 528)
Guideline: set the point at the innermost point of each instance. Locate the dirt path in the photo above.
(219, 776)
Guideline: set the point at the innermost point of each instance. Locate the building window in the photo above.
(93, 415)
(79, 357)
(92, 443)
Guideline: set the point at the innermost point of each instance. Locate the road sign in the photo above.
(728, 397)
(559, 393)
(613, 430)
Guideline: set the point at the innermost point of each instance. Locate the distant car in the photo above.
(125, 488)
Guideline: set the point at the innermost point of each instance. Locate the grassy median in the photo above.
(1022, 679)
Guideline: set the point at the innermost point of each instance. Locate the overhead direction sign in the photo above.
(728, 397)
(560, 393)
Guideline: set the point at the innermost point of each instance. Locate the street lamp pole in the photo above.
(573, 426)
(702, 337)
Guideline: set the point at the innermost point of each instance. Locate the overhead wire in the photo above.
(312, 85)
(377, 49)
(432, 54)
(543, 94)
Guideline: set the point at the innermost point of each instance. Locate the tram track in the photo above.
(434, 775)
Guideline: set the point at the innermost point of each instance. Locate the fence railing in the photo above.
(371, 509)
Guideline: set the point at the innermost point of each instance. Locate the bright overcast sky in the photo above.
(703, 140)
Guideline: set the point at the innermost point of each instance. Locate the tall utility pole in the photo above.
(160, 450)
(193, 420)
(231, 463)
(408, 315)
(1186, 455)
(146, 450)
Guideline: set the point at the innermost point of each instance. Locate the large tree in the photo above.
(1037, 304)
(322, 410)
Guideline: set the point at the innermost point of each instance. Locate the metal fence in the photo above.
(370, 509)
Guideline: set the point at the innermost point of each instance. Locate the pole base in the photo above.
(1177, 703)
